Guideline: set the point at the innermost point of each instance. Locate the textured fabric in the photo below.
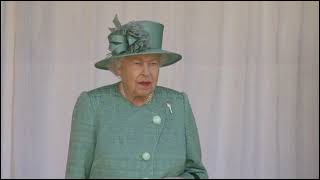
(109, 135)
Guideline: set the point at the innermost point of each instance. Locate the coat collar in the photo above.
(159, 100)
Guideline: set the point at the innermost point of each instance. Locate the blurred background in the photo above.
(250, 69)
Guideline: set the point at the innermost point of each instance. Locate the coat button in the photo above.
(146, 156)
(156, 120)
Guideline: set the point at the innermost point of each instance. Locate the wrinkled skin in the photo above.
(139, 77)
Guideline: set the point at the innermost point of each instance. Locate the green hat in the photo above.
(136, 38)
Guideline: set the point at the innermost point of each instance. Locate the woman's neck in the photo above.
(135, 100)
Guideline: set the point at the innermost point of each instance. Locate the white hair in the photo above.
(114, 65)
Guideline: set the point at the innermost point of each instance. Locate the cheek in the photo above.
(130, 77)
(155, 75)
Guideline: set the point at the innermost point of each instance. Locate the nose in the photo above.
(146, 70)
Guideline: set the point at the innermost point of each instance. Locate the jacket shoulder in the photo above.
(102, 91)
(103, 94)
(170, 93)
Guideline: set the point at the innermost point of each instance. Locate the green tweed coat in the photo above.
(112, 138)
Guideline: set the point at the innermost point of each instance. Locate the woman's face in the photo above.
(139, 74)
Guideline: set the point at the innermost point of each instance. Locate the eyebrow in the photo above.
(154, 59)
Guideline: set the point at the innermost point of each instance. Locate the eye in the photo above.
(137, 63)
(154, 63)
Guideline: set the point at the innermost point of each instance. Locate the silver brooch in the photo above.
(169, 106)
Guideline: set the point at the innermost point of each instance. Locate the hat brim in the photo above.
(167, 58)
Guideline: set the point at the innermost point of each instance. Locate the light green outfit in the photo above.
(112, 138)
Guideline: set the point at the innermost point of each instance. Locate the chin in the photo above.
(144, 92)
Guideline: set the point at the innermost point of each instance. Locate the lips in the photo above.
(144, 83)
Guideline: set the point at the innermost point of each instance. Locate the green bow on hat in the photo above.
(136, 38)
(128, 38)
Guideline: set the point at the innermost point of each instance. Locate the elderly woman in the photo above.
(134, 128)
